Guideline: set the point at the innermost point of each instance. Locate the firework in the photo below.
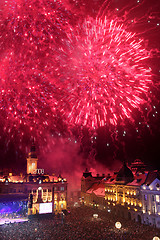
(108, 78)
(59, 72)
(31, 43)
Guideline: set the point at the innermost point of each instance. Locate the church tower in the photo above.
(32, 161)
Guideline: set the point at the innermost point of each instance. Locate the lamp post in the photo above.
(118, 225)
(95, 216)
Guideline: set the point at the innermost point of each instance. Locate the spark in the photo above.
(108, 77)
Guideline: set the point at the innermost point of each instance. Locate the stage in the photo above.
(12, 220)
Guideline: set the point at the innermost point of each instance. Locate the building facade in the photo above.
(92, 189)
(46, 194)
(132, 194)
(150, 191)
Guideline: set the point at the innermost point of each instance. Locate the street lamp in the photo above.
(95, 216)
(156, 238)
(118, 225)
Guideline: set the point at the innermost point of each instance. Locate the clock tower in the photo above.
(32, 161)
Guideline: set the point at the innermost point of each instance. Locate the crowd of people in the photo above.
(78, 224)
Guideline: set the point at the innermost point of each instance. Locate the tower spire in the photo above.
(32, 160)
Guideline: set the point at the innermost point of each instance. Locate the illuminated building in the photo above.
(130, 194)
(46, 194)
(150, 191)
(123, 193)
(92, 189)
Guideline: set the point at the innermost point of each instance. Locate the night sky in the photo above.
(80, 73)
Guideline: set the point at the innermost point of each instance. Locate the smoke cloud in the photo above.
(66, 159)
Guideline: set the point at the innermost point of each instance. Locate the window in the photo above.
(61, 205)
(62, 197)
(34, 190)
(55, 206)
(157, 198)
(62, 188)
(153, 198)
(49, 190)
(44, 190)
(154, 221)
(145, 197)
(153, 209)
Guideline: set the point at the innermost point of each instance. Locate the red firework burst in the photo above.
(32, 32)
(56, 74)
(108, 76)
